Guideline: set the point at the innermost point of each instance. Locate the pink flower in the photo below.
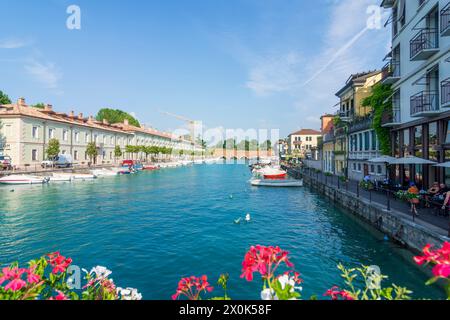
(15, 285)
(32, 278)
(58, 262)
(335, 293)
(192, 287)
(440, 258)
(59, 297)
(264, 260)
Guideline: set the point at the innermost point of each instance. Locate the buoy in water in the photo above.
(248, 218)
(231, 196)
(238, 221)
(386, 238)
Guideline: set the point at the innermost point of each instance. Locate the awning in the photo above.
(443, 165)
(383, 159)
(412, 160)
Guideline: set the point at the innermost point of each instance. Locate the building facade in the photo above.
(27, 130)
(356, 140)
(419, 71)
(303, 142)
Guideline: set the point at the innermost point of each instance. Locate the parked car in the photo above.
(61, 161)
(5, 163)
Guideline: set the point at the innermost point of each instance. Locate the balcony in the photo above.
(345, 115)
(363, 155)
(425, 104)
(391, 119)
(445, 93)
(445, 21)
(391, 72)
(424, 44)
(360, 124)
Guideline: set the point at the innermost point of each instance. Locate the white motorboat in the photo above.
(104, 173)
(276, 183)
(23, 179)
(76, 176)
(56, 178)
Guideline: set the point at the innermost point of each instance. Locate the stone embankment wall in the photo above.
(414, 235)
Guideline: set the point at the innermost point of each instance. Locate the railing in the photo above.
(425, 101)
(445, 91)
(328, 137)
(363, 155)
(445, 18)
(391, 69)
(361, 124)
(424, 40)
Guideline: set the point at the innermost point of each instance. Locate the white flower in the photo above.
(101, 272)
(129, 294)
(268, 294)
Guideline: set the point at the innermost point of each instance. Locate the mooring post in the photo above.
(357, 190)
(388, 201)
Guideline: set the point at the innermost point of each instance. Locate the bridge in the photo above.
(230, 154)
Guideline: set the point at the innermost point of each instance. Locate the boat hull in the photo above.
(12, 180)
(277, 183)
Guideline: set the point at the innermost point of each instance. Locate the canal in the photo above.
(153, 228)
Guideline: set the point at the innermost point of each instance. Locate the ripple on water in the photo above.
(153, 228)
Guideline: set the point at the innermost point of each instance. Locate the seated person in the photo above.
(442, 193)
(431, 193)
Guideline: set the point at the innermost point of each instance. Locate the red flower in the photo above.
(335, 293)
(13, 275)
(264, 260)
(32, 278)
(440, 258)
(192, 287)
(59, 297)
(58, 262)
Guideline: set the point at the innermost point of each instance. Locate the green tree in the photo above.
(116, 116)
(91, 151)
(4, 99)
(39, 105)
(53, 148)
(381, 104)
(117, 152)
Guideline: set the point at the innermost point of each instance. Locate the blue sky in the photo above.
(229, 63)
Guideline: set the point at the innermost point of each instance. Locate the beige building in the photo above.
(303, 142)
(26, 131)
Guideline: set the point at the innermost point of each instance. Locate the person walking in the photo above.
(414, 200)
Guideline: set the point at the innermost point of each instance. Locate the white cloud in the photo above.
(45, 73)
(13, 43)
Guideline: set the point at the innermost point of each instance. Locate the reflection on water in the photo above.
(153, 228)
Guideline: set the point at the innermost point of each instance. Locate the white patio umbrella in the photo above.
(412, 160)
(443, 165)
(383, 159)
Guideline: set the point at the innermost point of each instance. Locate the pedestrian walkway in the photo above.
(431, 218)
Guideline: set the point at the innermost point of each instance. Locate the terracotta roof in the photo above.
(21, 109)
(305, 132)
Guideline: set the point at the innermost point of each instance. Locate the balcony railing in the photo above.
(424, 102)
(361, 123)
(445, 20)
(423, 42)
(391, 71)
(445, 92)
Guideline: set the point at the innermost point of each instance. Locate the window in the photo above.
(379, 169)
(418, 141)
(63, 152)
(51, 133)
(35, 133)
(432, 142)
(95, 138)
(86, 138)
(360, 137)
(406, 144)
(374, 140)
(372, 168)
(34, 155)
(359, 166)
(366, 141)
(65, 135)
(75, 155)
(77, 136)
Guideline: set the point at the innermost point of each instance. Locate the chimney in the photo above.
(48, 108)
(91, 119)
(72, 114)
(21, 102)
(125, 122)
(105, 122)
(80, 116)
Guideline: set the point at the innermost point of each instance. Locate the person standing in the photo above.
(414, 201)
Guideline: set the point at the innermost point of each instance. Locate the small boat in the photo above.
(104, 173)
(23, 179)
(268, 173)
(56, 178)
(276, 183)
(76, 176)
(150, 168)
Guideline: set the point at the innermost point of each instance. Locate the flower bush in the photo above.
(48, 279)
(266, 261)
(406, 195)
(440, 259)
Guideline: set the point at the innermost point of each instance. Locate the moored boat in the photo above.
(23, 179)
(276, 183)
(104, 173)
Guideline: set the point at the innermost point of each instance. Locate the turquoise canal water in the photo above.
(153, 228)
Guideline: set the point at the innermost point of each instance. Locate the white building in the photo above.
(303, 142)
(419, 71)
(26, 131)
